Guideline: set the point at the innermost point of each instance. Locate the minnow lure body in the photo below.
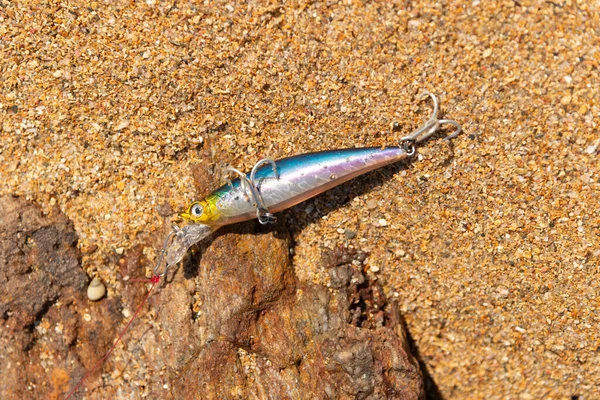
(294, 180)
(273, 186)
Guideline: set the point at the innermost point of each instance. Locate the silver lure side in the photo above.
(281, 184)
(295, 180)
(298, 178)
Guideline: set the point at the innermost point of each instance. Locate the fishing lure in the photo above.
(272, 186)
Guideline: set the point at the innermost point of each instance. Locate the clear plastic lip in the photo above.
(184, 239)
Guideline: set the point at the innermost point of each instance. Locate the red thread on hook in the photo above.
(154, 280)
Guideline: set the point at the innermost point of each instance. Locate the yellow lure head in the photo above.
(204, 211)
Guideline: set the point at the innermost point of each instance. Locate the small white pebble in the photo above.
(382, 222)
(126, 312)
(87, 317)
(374, 268)
(341, 230)
(590, 149)
(119, 250)
(96, 290)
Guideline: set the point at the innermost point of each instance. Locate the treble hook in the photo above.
(262, 212)
(250, 185)
(432, 125)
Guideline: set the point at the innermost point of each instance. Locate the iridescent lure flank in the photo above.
(273, 186)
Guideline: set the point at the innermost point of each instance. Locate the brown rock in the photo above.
(38, 257)
(234, 322)
(42, 288)
(260, 334)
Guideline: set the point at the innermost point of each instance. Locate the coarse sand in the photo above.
(490, 243)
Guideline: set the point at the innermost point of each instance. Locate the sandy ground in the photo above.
(490, 243)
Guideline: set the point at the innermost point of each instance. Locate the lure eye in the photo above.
(196, 210)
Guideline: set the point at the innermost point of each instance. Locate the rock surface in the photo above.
(42, 287)
(258, 333)
(232, 323)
